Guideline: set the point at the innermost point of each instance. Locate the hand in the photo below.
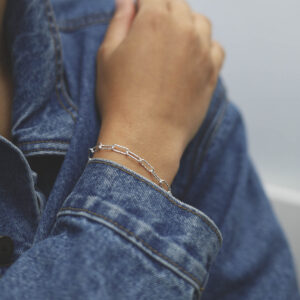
(157, 69)
(5, 82)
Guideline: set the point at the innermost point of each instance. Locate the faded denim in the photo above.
(80, 229)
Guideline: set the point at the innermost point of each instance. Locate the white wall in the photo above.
(262, 73)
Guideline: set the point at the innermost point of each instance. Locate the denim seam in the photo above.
(209, 144)
(44, 142)
(60, 80)
(211, 140)
(59, 99)
(80, 23)
(138, 239)
(44, 149)
(227, 123)
(217, 120)
(166, 196)
(58, 62)
(205, 139)
(227, 119)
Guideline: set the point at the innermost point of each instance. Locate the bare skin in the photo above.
(157, 70)
(5, 83)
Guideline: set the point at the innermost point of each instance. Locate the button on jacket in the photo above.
(96, 230)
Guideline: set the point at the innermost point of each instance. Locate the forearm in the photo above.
(164, 157)
(152, 96)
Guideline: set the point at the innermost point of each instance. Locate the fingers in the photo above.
(218, 57)
(150, 4)
(125, 13)
(174, 6)
(178, 6)
(204, 28)
(120, 25)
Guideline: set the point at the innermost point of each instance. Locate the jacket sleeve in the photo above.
(117, 236)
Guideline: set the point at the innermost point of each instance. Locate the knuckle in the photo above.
(170, 5)
(210, 68)
(188, 31)
(204, 21)
(221, 51)
(154, 17)
(207, 21)
(155, 14)
(212, 73)
(206, 54)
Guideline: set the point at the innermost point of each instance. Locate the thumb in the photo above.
(119, 25)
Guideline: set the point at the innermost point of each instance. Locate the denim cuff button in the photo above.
(6, 250)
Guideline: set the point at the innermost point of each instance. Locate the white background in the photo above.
(262, 74)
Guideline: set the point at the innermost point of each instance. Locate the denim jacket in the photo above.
(93, 229)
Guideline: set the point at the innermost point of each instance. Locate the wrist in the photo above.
(164, 157)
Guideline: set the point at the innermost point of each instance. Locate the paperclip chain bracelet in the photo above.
(126, 152)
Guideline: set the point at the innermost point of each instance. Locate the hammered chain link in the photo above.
(126, 152)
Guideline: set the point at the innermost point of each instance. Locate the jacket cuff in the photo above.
(177, 235)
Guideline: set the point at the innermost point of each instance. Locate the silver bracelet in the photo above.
(125, 151)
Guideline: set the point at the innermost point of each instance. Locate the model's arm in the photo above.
(156, 75)
(5, 82)
(118, 235)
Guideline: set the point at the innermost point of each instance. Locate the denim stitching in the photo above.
(140, 240)
(45, 149)
(219, 96)
(207, 144)
(227, 123)
(79, 23)
(200, 139)
(171, 200)
(58, 61)
(44, 142)
(55, 35)
(57, 91)
(57, 52)
(215, 131)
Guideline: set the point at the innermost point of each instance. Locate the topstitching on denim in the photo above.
(206, 135)
(42, 150)
(72, 211)
(164, 193)
(34, 147)
(207, 143)
(61, 90)
(43, 142)
(80, 23)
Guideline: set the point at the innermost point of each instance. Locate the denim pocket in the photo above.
(43, 112)
(53, 46)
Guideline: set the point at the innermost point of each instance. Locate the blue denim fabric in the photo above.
(80, 229)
